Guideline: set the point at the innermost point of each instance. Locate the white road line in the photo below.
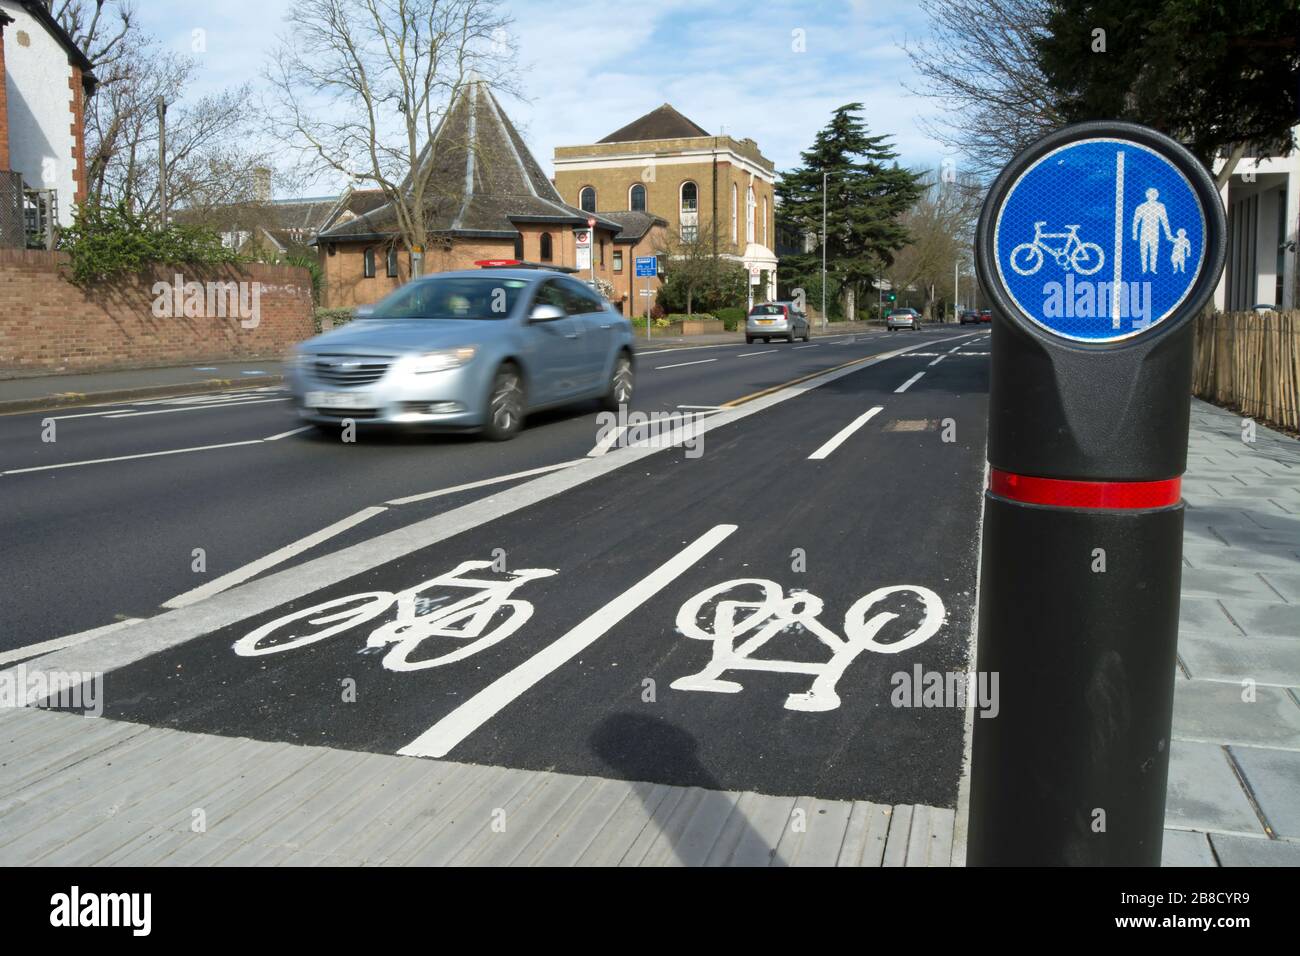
(195, 408)
(607, 442)
(692, 348)
(937, 361)
(706, 408)
(443, 736)
(840, 436)
(908, 384)
(411, 499)
(296, 431)
(748, 354)
(798, 347)
(58, 643)
(239, 575)
(59, 418)
(147, 454)
(659, 368)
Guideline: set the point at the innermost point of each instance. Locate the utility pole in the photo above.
(162, 161)
(956, 289)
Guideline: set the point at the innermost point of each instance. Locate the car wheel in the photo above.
(505, 405)
(749, 340)
(621, 383)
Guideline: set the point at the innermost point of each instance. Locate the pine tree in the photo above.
(867, 193)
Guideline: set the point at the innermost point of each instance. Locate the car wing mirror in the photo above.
(546, 313)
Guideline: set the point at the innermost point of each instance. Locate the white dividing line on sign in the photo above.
(296, 431)
(147, 454)
(443, 736)
(59, 643)
(842, 435)
(908, 384)
(411, 499)
(195, 408)
(765, 352)
(239, 575)
(659, 368)
(607, 441)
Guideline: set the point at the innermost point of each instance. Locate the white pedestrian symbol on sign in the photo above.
(1083, 257)
(1151, 217)
(740, 628)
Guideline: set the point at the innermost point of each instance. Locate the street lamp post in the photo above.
(162, 161)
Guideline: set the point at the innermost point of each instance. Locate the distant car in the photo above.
(986, 315)
(776, 320)
(471, 350)
(970, 317)
(903, 319)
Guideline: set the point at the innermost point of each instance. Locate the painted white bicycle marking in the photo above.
(741, 627)
(1084, 257)
(483, 618)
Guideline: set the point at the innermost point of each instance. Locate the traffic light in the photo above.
(892, 297)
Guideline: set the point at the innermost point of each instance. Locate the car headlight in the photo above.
(440, 360)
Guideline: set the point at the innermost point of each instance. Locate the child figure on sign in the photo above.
(1182, 246)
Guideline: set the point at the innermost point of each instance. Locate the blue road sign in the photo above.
(646, 267)
(1100, 240)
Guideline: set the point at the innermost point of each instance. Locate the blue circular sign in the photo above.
(1100, 240)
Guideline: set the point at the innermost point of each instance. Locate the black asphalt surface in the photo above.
(88, 545)
(894, 505)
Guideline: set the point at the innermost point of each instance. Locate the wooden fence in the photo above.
(1250, 361)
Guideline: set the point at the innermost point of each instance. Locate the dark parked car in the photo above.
(970, 317)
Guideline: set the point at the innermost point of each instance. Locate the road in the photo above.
(736, 614)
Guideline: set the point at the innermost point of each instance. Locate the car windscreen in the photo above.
(767, 310)
(452, 297)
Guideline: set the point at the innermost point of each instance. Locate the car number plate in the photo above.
(766, 321)
(338, 400)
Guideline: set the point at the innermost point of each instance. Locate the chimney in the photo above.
(261, 184)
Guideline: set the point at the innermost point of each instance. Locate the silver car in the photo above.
(903, 319)
(776, 320)
(470, 350)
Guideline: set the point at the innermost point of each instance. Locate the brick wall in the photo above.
(47, 324)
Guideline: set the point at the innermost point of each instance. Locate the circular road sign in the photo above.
(1101, 233)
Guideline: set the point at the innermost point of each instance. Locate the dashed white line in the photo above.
(938, 360)
(748, 354)
(195, 408)
(296, 431)
(443, 736)
(908, 384)
(147, 454)
(239, 575)
(659, 368)
(813, 346)
(843, 434)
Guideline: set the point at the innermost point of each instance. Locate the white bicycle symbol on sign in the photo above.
(483, 618)
(742, 627)
(1084, 257)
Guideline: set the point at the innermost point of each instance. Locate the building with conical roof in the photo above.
(714, 188)
(486, 198)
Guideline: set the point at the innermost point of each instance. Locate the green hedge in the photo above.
(108, 241)
(732, 318)
(337, 317)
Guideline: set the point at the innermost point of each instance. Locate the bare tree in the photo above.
(208, 161)
(941, 226)
(980, 63)
(361, 86)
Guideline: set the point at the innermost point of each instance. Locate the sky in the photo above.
(771, 71)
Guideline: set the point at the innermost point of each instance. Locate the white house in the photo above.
(46, 81)
(1263, 203)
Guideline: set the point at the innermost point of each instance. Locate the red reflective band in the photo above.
(1060, 493)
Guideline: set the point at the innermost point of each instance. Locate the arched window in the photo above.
(587, 199)
(519, 247)
(749, 214)
(735, 202)
(636, 198)
(690, 196)
(545, 254)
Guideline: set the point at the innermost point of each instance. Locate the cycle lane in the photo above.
(623, 704)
